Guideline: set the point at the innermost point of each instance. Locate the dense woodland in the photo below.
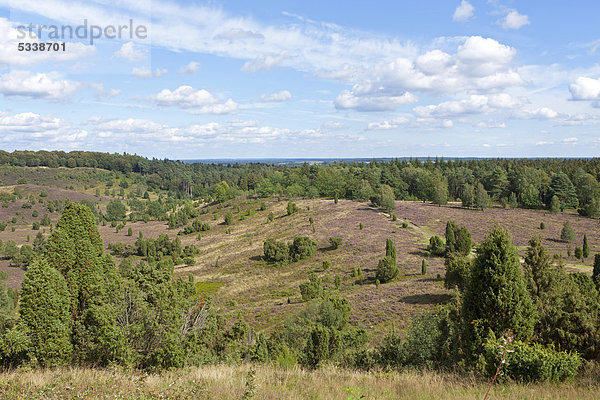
(77, 307)
(529, 183)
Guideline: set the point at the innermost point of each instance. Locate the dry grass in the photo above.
(229, 382)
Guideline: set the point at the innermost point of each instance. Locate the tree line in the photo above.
(556, 184)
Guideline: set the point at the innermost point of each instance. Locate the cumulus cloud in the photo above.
(35, 130)
(38, 85)
(463, 12)
(585, 88)
(484, 56)
(191, 68)
(281, 96)
(479, 65)
(196, 101)
(184, 97)
(29, 122)
(144, 72)
(129, 52)
(514, 20)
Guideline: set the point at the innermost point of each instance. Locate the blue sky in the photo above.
(241, 79)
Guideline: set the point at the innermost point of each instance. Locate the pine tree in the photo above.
(586, 247)
(496, 297)
(450, 237)
(390, 249)
(596, 271)
(555, 205)
(537, 266)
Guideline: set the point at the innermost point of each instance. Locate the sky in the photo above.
(288, 79)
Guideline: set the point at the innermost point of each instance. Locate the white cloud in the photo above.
(387, 125)
(264, 62)
(539, 113)
(39, 85)
(282, 96)
(184, 97)
(333, 125)
(543, 143)
(514, 20)
(129, 52)
(191, 68)
(37, 131)
(105, 94)
(228, 107)
(29, 122)
(463, 12)
(480, 56)
(433, 62)
(480, 65)
(11, 36)
(447, 123)
(195, 101)
(239, 34)
(490, 124)
(474, 104)
(144, 72)
(585, 88)
(570, 140)
(366, 101)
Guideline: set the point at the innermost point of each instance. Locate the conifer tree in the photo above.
(45, 314)
(496, 297)
(586, 247)
(75, 249)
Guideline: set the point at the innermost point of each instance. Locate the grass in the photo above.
(229, 383)
(208, 287)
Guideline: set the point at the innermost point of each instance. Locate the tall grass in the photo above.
(225, 382)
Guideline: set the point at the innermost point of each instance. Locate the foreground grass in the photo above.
(231, 382)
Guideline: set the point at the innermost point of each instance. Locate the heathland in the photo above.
(302, 282)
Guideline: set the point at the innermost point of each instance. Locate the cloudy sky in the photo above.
(353, 78)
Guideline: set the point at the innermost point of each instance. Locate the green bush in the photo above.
(292, 208)
(302, 247)
(567, 233)
(335, 242)
(276, 251)
(311, 289)
(532, 362)
(228, 218)
(457, 272)
(387, 269)
(436, 247)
